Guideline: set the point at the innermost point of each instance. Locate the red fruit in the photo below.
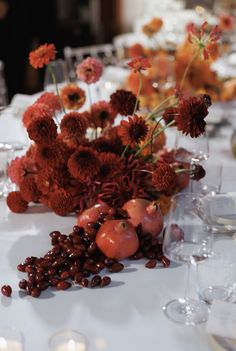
(91, 214)
(147, 213)
(117, 239)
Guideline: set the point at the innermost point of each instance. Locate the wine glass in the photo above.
(212, 182)
(186, 240)
(197, 149)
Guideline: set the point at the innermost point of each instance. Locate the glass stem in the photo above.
(186, 292)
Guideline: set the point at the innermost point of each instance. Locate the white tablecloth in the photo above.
(127, 315)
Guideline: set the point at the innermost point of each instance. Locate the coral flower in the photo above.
(61, 202)
(192, 112)
(37, 110)
(51, 100)
(136, 50)
(74, 125)
(73, 97)
(42, 130)
(164, 177)
(200, 39)
(133, 131)
(42, 55)
(102, 114)
(16, 203)
(123, 102)
(139, 64)
(84, 163)
(29, 190)
(89, 70)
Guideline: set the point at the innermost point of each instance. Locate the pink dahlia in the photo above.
(89, 70)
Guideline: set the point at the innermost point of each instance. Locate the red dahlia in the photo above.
(197, 172)
(133, 131)
(51, 100)
(54, 155)
(102, 114)
(61, 202)
(84, 163)
(35, 111)
(42, 130)
(190, 119)
(16, 203)
(169, 115)
(74, 125)
(111, 164)
(50, 179)
(29, 190)
(123, 102)
(164, 177)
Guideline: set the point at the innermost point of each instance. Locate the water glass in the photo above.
(58, 67)
(68, 340)
(196, 149)
(216, 276)
(211, 183)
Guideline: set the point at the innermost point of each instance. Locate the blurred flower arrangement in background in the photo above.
(199, 51)
(111, 152)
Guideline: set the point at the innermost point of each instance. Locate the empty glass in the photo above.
(216, 276)
(197, 148)
(68, 340)
(186, 240)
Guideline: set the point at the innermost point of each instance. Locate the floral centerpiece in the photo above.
(83, 158)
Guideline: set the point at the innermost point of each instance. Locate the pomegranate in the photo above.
(182, 181)
(117, 239)
(147, 213)
(91, 214)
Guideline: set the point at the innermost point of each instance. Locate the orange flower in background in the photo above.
(133, 82)
(72, 96)
(158, 142)
(164, 202)
(136, 50)
(42, 55)
(152, 27)
(226, 22)
(139, 64)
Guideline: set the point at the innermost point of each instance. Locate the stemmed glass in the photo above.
(186, 240)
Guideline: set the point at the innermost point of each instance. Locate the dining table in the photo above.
(126, 315)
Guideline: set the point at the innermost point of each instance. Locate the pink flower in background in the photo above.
(89, 70)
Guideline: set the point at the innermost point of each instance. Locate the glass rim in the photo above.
(187, 195)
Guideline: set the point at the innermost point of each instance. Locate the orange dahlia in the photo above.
(164, 177)
(133, 131)
(72, 96)
(51, 100)
(139, 64)
(37, 110)
(16, 203)
(42, 55)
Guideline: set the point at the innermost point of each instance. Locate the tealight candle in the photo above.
(68, 340)
(11, 340)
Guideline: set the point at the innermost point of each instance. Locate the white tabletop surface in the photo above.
(127, 315)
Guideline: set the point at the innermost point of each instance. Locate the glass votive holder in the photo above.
(212, 182)
(68, 340)
(11, 340)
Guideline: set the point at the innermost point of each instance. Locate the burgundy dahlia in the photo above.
(123, 102)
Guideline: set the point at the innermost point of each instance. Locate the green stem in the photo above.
(56, 86)
(156, 108)
(154, 136)
(188, 67)
(124, 152)
(139, 91)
